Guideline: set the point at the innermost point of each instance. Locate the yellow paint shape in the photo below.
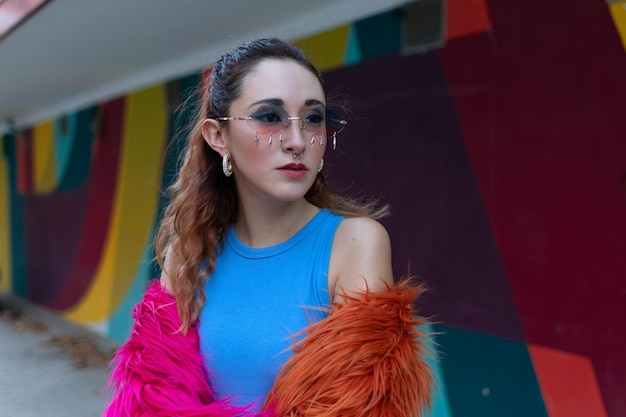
(618, 11)
(5, 225)
(45, 180)
(327, 49)
(136, 198)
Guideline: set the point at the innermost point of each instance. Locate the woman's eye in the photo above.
(314, 119)
(269, 118)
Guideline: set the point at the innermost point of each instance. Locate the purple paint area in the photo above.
(404, 145)
(53, 229)
(555, 97)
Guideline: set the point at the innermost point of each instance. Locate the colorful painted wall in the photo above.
(497, 137)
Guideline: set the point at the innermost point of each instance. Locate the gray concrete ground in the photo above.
(48, 366)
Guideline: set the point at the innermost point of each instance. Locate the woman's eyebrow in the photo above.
(313, 102)
(278, 101)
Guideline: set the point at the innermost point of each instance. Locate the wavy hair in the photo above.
(203, 202)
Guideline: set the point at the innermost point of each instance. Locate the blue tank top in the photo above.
(258, 299)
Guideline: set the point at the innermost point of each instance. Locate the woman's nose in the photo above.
(294, 137)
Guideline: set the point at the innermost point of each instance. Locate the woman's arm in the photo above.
(368, 357)
(360, 258)
(168, 262)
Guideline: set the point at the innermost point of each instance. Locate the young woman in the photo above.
(277, 296)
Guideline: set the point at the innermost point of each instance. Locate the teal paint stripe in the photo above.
(64, 129)
(353, 50)
(380, 34)
(120, 322)
(77, 149)
(488, 376)
(440, 404)
(18, 231)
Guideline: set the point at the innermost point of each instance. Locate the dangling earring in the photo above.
(269, 142)
(312, 139)
(227, 166)
(321, 140)
(334, 140)
(321, 166)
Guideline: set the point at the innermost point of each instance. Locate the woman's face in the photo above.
(281, 166)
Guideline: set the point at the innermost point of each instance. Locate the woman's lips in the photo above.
(293, 170)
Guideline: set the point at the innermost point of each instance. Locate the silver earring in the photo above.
(227, 166)
(269, 142)
(321, 166)
(321, 140)
(280, 137)
(334, 140)
(312, 139)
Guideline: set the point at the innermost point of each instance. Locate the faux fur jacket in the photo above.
(365, 359)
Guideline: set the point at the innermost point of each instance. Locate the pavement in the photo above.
(49, 367)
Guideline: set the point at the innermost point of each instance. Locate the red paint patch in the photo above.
(568, 383)
(466, 17)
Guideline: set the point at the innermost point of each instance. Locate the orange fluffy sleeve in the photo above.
(367, 358)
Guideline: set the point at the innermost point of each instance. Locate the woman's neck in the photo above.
(264, 225)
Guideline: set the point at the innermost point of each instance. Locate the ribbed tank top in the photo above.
(258, 299)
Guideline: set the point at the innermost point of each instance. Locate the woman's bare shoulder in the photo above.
(361, 256)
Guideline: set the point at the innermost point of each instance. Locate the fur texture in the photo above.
(159, 371)
(365, 359)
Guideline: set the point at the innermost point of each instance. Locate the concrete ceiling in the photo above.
(73, 53)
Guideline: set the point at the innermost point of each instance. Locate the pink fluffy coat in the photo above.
(159, 372)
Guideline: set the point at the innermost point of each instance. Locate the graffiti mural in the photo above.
(494, 133)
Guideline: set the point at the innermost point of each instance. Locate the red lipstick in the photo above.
(293, 170)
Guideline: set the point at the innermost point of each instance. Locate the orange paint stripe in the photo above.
(466, 17)
(568, 383)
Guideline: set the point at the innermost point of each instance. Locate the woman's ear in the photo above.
(212, 134)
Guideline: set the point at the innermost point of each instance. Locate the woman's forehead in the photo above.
(281, 79)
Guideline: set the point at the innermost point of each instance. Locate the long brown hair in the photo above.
(203, 201)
